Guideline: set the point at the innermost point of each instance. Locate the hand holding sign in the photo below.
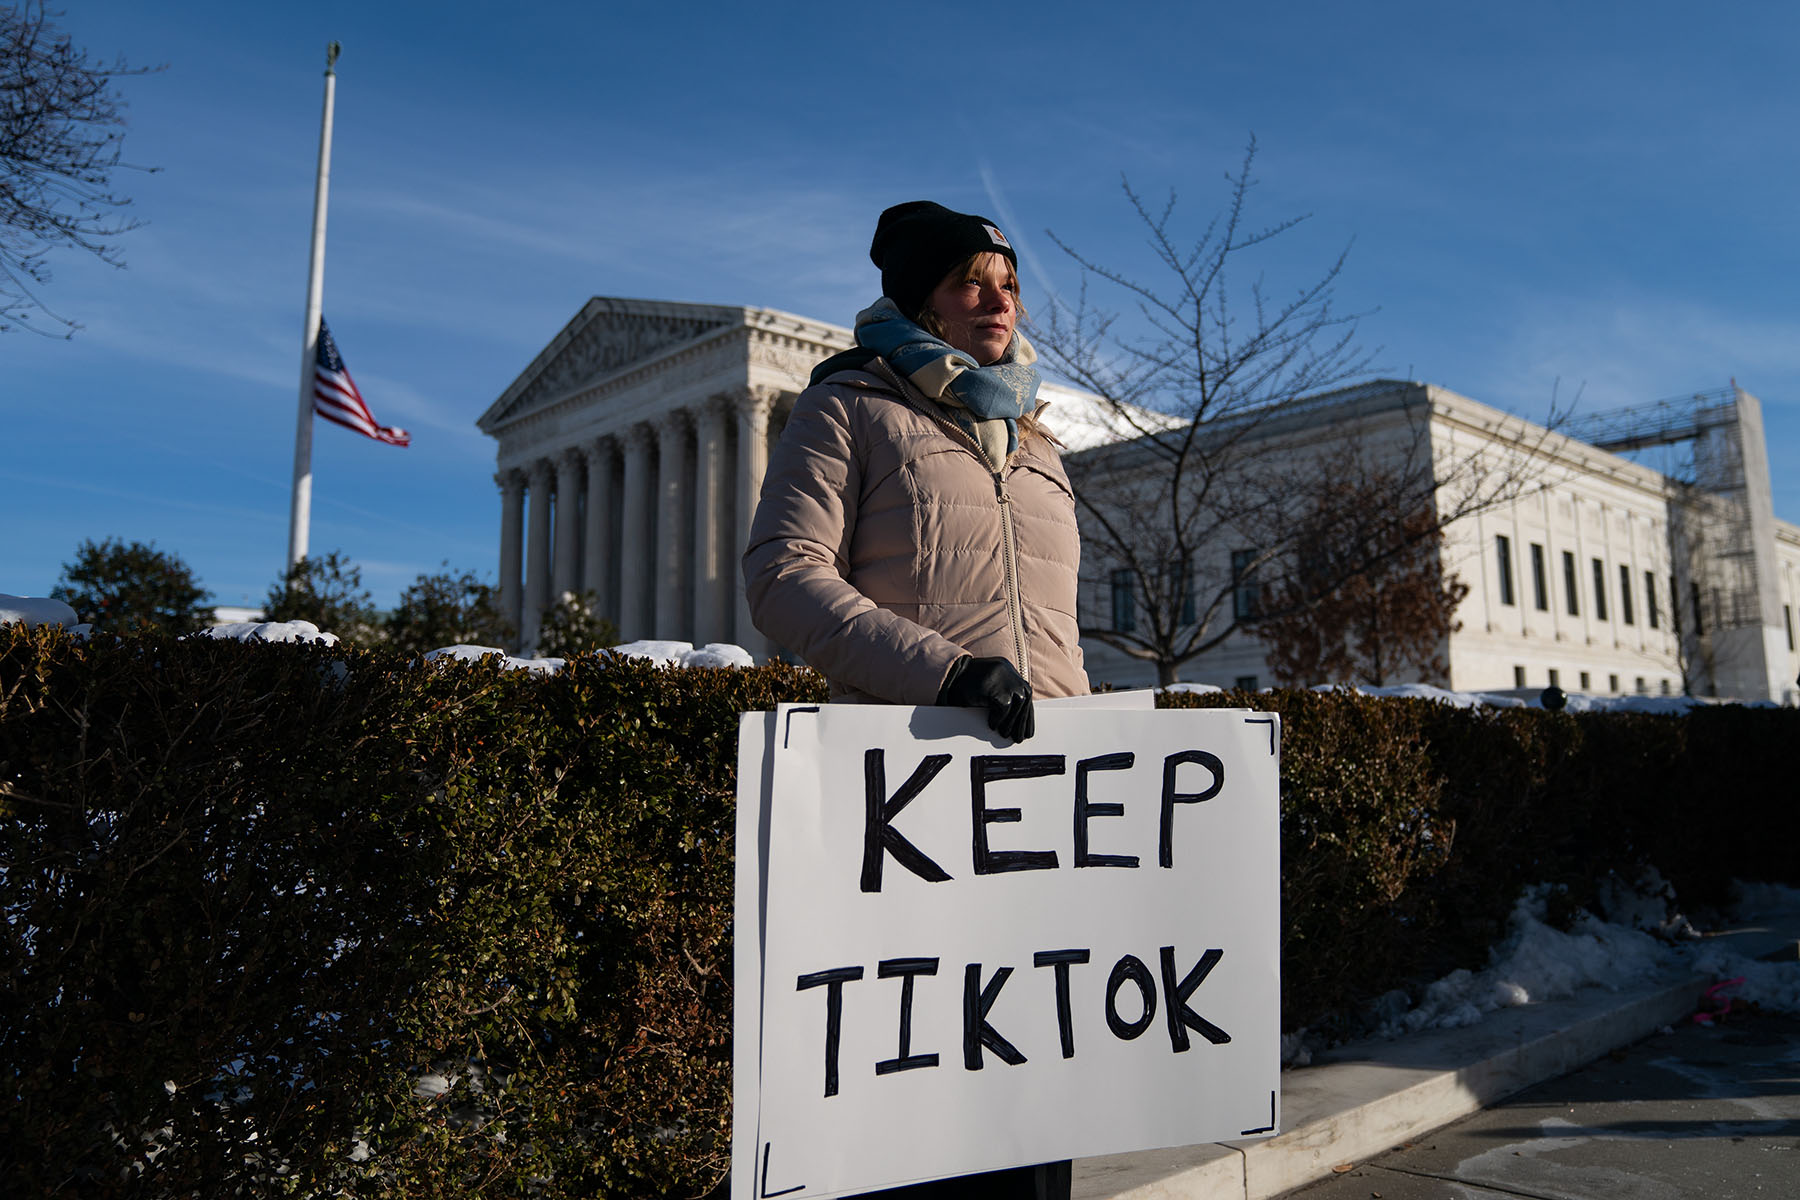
(993, 684)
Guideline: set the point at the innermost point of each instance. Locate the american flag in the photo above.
(336, 399)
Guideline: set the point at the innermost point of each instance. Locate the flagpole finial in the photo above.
(331, 55)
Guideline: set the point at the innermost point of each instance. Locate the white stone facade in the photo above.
(1601, 562)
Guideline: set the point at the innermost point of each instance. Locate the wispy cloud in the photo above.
(1629, 349)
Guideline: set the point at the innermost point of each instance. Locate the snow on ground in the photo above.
(1632, 940)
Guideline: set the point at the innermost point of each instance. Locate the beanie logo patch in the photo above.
(999, 238)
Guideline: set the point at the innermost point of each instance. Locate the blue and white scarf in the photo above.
(1004, 390)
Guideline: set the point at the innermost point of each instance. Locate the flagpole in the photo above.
(300, 515)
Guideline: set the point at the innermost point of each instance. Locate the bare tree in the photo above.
(1219, 451)
(61, 132)
(1368, 599)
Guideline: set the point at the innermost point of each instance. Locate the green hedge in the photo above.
(257, 896)
(1409, 827)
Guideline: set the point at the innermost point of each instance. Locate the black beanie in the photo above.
(916, 244)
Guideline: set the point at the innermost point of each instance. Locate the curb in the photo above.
(1364, 1098)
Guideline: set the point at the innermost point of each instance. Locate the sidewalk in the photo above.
(1364, 1098)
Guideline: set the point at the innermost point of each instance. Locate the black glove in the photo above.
(993, 684)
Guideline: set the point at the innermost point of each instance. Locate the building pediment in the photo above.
(608, 337)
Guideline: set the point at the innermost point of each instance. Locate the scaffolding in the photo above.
(1657, 423)
(1721, 516)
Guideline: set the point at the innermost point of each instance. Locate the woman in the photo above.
(916, 539)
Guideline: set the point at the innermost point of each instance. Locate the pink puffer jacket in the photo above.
(885, 547)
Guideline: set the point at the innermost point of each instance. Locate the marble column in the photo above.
(566, 577)
(674, 532)
(597, 576)
(512, 517)
(635, 516)
(753, 407)
(712, 533)
(537, 554)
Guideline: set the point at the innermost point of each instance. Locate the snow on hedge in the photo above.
(36, 610)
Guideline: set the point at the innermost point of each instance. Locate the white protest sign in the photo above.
(956, 955)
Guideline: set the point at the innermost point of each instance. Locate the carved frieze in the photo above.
(605, 345)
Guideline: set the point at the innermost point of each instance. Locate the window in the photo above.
(1787, 615)
(1245, 683)
(1650, 609)
(1586, 682)
(1555, 677)
(1503, 544)
(1124, 601)
(1570, 590)
(1612, 684)
(1665, 687)
(1643, 689)
(1599, 590)
(1246, 602)
(1183, 573)
(1625, 613)
(1699, 618)
(1540, 585)
(1518, 676)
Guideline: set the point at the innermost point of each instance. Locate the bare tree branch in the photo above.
(1215, 386)
(61, 135)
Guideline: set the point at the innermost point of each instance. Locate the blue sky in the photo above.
(1538, 197)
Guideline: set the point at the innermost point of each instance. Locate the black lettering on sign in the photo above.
(992, 768)
(1175, 996)
(1165, 842)
(1084, 810)
(833, 981)
(1130, 968)
(1060, 959)
(977, 1000)
(879, 835)
(906, 969)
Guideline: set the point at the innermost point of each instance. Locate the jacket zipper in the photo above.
(1009, 549)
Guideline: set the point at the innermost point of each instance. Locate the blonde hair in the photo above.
(927, 319)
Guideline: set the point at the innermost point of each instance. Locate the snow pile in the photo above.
(685, 654)
(1424, 691)
(269, 631)
(1673, 705)
(1577, 702)
(36, 610)
(663, 654)
(508, 662)
(1634, 940)
(1197, 689)
(1535, 961)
